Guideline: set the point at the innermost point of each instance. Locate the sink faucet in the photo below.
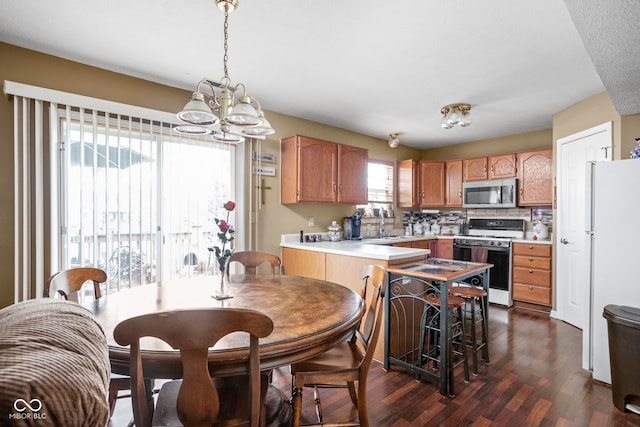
(381, 216)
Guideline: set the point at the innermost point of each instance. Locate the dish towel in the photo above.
(479, 254)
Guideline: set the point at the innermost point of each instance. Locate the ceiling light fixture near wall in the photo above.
(394, 141)
(238, 115)
(456, 114)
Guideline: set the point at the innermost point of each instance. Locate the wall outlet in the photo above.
(312, 221)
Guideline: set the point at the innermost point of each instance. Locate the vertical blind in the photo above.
(96, 184)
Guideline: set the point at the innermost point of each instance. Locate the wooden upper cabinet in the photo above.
(474, 169)
(502, 166)
(534, 178)
(431, 184)
(453, 186)
(316, 171)
(352, 174)
(408, 187)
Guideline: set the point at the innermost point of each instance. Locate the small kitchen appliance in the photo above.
(352, 225)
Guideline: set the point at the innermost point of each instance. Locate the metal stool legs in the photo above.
(430, 337)
(476, 301)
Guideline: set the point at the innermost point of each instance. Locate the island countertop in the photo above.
(443, 270)
(370, 248)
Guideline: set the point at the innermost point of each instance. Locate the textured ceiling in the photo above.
(370, 66)
(611, 35)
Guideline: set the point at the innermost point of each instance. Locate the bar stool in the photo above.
(476, 313)
(430, 335)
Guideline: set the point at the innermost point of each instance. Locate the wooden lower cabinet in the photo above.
(532, 276)
(345, 270)
(341, 269)
(418, 244)
(445, 249)
(298, 262)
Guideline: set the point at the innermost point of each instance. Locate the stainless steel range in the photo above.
(489, 240)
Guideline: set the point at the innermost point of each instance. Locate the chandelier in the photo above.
(238, 114)
(394, 141)
(456, 114)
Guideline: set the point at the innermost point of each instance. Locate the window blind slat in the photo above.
(380, 182)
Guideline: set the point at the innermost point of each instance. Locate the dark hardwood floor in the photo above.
(534, 379)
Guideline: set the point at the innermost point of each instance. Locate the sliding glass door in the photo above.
(136, 199)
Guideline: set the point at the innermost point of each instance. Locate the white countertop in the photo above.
(528, 240)
(368, 248)
(374, 248)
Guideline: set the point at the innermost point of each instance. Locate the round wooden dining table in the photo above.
(309, 316)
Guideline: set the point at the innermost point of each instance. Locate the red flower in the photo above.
(229, 206)
(224, 226)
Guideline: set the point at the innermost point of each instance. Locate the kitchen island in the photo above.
(406, 305)
(340, 262)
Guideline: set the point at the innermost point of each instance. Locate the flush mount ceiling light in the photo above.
(394, 141)
(237, 114)
(456, 114)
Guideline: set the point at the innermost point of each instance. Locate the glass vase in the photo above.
(222, 286)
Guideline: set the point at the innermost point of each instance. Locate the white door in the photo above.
(572, 243)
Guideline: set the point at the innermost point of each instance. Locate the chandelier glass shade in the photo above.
(224, 110)
(394, 141)
(456, 114)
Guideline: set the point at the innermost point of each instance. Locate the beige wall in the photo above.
(487, 147)
(25, 66)
(29, 67)
(273, 219)
(276, 219)
(586, 114)
(630, 131)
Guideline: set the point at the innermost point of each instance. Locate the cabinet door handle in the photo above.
(335, 187)
(460, 194)
(530, 259)
(530, 246)
(530, 288)
(521, 191)
(530, 271)
(341, 188)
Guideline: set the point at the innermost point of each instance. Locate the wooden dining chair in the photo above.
(195, 400)
(252, 259)
(349, 361)
(67, 284)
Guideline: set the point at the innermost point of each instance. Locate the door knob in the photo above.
(564, 241)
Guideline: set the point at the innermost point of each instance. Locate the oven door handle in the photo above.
(490, 248)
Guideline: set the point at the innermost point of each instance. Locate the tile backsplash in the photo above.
(449, 217)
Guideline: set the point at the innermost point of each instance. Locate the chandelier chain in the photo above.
(226, 45)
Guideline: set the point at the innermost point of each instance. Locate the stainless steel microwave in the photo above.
(500, 193)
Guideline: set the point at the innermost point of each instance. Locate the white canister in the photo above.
(540, 231)
(417, 228)
(435, 228)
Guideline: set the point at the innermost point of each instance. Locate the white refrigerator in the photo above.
(613, 221)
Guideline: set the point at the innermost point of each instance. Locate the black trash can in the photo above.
(623, 325)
